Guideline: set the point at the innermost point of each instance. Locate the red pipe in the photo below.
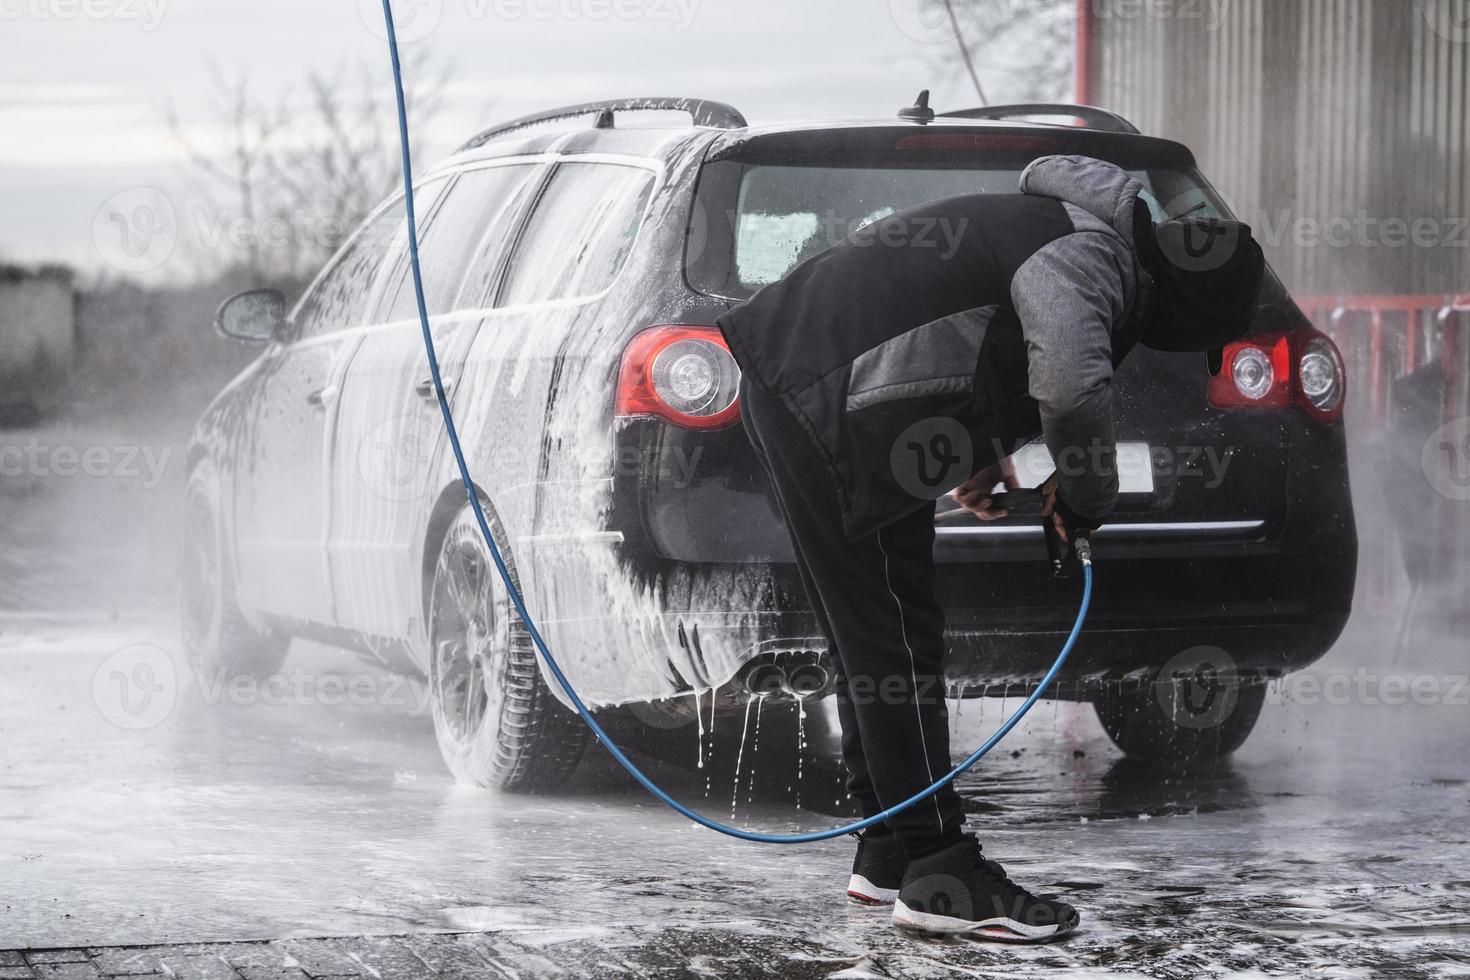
(1411, 343)
(1086, 42)
(1386, 302)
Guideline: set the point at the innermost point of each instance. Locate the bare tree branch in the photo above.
(959, 38)
(1027, 47)
(299, 175)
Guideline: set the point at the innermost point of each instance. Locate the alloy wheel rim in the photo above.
(471, 639)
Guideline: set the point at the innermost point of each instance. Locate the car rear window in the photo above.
(773, 217)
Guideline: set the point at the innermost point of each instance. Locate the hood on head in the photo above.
(1206, 272)
(1207, 275)
(1102, 189)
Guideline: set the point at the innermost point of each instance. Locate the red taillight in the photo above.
(1256, 373)
(684, 375)
(1321, 388)
(1275, 370)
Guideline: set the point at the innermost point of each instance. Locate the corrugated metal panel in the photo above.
(1333, 125)
(1339, 129)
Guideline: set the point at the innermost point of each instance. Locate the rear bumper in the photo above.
(1272, 593)
(1006, 622)
(1253, 610)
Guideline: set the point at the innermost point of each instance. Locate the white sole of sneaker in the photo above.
(863, 892)
(999, 929)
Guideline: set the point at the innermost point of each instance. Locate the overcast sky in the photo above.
(85, 85)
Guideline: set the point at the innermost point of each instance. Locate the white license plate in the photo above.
(1135, 466)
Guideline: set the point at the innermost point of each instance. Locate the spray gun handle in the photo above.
(1065, 556)
(1055, 548)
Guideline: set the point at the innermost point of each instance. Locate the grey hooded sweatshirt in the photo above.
(911, 367)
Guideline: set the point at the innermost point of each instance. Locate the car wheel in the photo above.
(497, 722)
(1190, 716)
(216, 636)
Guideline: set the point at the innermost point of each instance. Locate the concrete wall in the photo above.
(37, 337)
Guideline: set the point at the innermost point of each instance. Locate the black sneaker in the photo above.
(877, 870)
(958, 892)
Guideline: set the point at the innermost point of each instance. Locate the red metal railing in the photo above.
(1383, 338)
(1086, 52)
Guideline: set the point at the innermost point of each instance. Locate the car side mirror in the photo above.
(256, 315)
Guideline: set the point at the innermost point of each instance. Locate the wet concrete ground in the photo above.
(311, 829)
(1334, 845)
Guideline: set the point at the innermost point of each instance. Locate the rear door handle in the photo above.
(425, 389)
(322, 397)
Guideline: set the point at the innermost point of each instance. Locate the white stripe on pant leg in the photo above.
(914, 674)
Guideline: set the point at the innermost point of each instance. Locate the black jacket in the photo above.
(911, 365)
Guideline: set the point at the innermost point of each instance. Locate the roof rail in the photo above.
(1093, 117)
(702, 111)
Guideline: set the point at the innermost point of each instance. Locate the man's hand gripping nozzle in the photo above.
(1065, 554)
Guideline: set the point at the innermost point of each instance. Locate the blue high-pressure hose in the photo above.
(520, 605)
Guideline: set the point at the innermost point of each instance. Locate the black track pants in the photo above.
(874, 601)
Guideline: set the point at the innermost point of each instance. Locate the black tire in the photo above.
(1198, 709)
(217, 637)
(497, 722)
